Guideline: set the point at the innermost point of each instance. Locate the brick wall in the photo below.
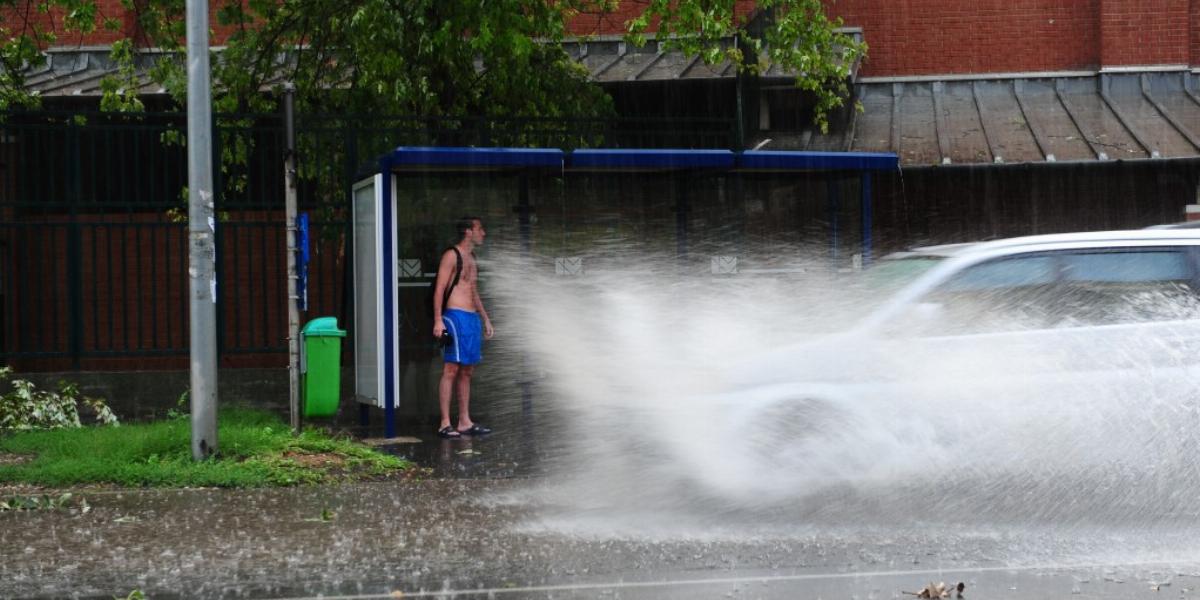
(915, 37)
(1194, 11)
(53, 21)
(1145, 32)
(930, 37)
(614, 23)
(14, 18)
(935, 37)
(920, 37)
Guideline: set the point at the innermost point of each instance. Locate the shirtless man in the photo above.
(468, 324)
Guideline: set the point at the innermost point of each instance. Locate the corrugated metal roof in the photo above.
(1036, 119)
(79, 72)
(614, 60)
(1125, 116)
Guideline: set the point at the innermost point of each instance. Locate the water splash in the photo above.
(755, 396)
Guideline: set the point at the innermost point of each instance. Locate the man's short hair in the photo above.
(464, 224)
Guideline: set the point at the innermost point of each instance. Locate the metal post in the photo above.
(348, 292)
(682, 208)
(834, 201)
(524, 215)
(201, 236)
(524, 233)
(74, 251)
(75, 285)
(387, 264)
(739, 123)
(293, 296)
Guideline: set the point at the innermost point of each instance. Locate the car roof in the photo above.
(1031, 242)
(1179, 225)
(942, 251)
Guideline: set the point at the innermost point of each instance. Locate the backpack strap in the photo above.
(458, 265)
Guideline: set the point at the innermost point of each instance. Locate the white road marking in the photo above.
(724, 580)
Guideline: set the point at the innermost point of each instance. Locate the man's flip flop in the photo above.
(449, 433)
(475, 429)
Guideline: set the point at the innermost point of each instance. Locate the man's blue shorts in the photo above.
(466, 329)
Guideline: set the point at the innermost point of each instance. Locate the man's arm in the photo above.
(445, 268)
(488, 331)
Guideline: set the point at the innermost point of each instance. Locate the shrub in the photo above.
(27, 407)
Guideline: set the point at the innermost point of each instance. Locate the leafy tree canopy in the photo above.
(426, 57)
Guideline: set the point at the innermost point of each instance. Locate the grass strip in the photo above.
(256, 449)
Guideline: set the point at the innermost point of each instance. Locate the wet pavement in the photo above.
(502, 455)
(491, 517)
(487, 524)
(491, 538)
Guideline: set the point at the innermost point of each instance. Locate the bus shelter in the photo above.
(714, 211)
(395, 253)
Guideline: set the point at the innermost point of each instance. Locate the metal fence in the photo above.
(93, 248)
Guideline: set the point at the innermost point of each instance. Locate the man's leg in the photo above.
(445, 388)
(463, 384)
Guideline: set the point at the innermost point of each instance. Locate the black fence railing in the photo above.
(93, 249)
(53, 162)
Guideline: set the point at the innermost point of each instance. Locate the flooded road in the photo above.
(500, 537)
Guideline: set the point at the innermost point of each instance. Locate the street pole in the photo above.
(202, 229)
(293, 294)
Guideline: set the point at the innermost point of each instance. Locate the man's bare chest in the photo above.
(469, 272)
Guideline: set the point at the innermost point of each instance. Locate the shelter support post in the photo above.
(524, 231)
(524, 214)
(388, 266)
(867, 217)
(834, 202)
(682, 207)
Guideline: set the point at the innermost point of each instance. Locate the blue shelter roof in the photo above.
(415, 156)
(468, 159)
(649, 159)
(797, 161)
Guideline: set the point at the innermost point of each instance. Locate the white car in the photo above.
(1073, 351)
(1048, 281)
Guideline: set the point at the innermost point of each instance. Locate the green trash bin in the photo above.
(321, 366)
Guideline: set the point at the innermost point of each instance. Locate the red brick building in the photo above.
(943, 37)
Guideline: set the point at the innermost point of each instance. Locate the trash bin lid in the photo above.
(323, 327)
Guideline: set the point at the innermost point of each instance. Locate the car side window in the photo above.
(999, 295)
(1004, 273)
(1127, 286)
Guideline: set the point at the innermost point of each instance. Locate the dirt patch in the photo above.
(322, 460)
(7, 459)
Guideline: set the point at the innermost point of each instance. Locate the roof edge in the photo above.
(977, 76)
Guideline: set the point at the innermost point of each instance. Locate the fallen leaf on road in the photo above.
(938, 590)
